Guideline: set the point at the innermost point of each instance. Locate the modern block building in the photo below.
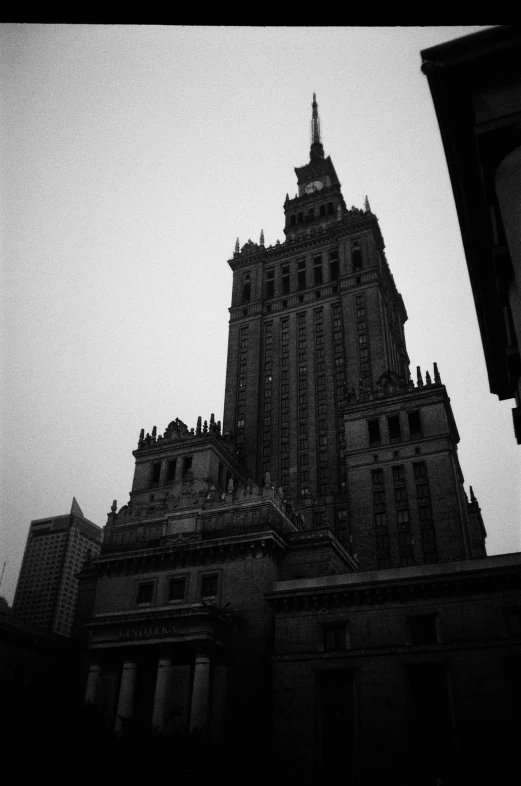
(47, 585)
(308, 586)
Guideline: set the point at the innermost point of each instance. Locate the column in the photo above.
(126, 694)
(163, 689)
(92, 683)
(218, 701)
(200, 692)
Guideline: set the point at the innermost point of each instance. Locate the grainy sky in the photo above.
(133, 157)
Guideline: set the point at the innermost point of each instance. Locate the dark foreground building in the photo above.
(307, 589)
(475, 82)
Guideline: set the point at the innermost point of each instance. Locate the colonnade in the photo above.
(201, 698)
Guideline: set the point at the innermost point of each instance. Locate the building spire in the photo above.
(317, 151)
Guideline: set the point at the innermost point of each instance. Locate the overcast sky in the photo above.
(133, 157)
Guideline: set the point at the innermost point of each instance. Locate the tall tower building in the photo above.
(317, 328)
(222, 606)
(47, 586)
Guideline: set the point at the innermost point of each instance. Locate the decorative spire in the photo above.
(317, 151)
(262, 237)
(367, 206)
(419, 377)
(199, 424)
(315, 122)
(427, 378)
(237, 249)
(472, 496)
(437, 377)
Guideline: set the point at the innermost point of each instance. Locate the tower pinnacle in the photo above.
(317, 151)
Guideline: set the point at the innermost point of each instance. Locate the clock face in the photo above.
(316, 185)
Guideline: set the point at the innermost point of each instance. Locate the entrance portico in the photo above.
(172, 666)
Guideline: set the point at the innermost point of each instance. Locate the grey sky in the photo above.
(133, 158)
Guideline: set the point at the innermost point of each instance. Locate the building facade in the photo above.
(310, 581)
(47, 587)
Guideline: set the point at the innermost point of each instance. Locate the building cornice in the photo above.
(193, 551)
(399, 585)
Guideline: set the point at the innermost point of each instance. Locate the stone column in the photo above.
(163, 689)
(218, 701)
(200, 691)
(126, 693)
(92, 683)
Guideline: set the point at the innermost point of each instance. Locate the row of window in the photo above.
(403, 524)
(301, 217)
(177, 589)
(363, 347)
(394, 429)
(301, 280)
(422, 630)
(303, 472)
(267, 397)
(241, 392)
(163, 472)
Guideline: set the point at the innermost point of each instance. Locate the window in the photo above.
(399, 475)
(422, 491)
(209, 586)
(378, 476)
(422, 630)
(335, 637)
(393, 424)
(402, 517)
(156, 474)
(357, 259)
(414, 424)
(374, 432)
(318, 269)
(145, 593)
(176, 589)
(380, 519)
(270, 283)
(170, 470)
(382, 541)
(187, 464)
(285, 280)
(420, 471)
(379, 497)
(301, 274)
(400, 494)
(246, 288)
